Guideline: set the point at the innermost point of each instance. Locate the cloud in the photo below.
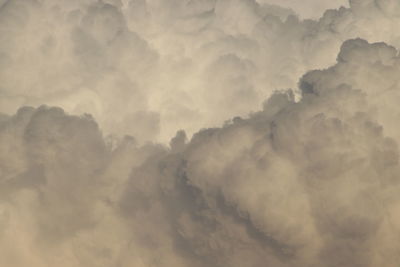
(59, 181)
(309, 183)
(312, 182)
(309, 180)
(150, 68)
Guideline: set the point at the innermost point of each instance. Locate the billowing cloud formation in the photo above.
(313, 182)
(151, 67)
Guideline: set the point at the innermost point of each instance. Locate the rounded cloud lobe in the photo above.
(311, 179)
(307, 183)
(150, 68)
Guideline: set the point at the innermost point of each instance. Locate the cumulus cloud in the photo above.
(308, 183)
(59, 181)
(150, 68)
(311, 179)
(312, 182)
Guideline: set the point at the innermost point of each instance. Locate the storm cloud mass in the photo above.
(215, 133)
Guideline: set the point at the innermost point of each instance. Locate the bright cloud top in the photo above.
(150, 68)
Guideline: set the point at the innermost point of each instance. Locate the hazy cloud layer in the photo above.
(308, 183)
(150, 68)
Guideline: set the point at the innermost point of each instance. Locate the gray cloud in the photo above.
(309, 183)
(309, 180)
(312, 182)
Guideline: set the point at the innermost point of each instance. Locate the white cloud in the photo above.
(150, 68)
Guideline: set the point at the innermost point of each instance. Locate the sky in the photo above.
(202, 133)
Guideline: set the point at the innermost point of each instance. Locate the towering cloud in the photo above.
(312, 182)
(286, 133)
(150, 68)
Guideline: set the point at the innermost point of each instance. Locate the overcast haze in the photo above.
(202, 133)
